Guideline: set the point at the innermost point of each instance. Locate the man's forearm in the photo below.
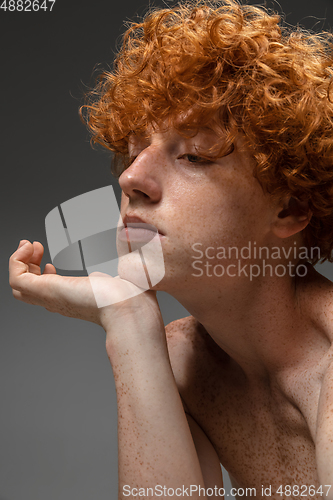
(155, 443)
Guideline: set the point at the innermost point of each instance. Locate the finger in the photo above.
(36, 258)
(35, 269)
(23, 246)
(38, 253)
(23, 275)
(49, 269)
(23, 253)
(22, 242)
(18, 263)
(31, 258)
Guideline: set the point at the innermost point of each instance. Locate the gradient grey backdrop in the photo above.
(58, 407)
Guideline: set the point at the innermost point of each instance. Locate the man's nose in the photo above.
(142, 179)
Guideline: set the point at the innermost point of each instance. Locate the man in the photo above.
(222, 128)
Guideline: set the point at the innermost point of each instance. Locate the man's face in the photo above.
(193, 199)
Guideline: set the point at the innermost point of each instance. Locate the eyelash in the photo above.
(207, 161)
(204, 161)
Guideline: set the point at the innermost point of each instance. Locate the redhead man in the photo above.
(221, 123)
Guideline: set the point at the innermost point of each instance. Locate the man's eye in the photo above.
(195, 159)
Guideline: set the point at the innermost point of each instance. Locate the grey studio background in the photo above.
(58, 436)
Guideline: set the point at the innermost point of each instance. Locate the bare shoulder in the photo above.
(187, 337)
(180, 335)
(195, 358)
(181, 330)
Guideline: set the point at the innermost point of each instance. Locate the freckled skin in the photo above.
(251, 360)
(259, 430)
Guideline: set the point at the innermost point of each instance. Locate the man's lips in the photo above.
(136, 230)
(138, 223)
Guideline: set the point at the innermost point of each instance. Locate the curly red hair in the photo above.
(234, 67)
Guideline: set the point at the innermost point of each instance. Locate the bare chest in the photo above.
(262, 438)
(260, 445)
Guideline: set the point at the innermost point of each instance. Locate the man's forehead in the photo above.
(182, 132)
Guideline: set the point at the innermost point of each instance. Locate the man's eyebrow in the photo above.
(181, 133)
(197, 130)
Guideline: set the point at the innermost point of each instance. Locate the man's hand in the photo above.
(74, 296)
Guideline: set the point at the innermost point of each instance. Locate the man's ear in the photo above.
(292, 218)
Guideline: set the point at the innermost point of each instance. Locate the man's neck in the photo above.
(265, 325)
